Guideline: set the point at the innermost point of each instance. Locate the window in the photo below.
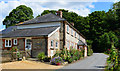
(75, 34)
(28, 44)
(68, 45)
(15, 41)
(76, 46)
(67, 28)
(56, 44)
(8, 43)
(79, 37)
(51, 43)
(52, 53)
(72, 32)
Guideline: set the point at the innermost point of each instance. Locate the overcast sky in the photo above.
(81, 7)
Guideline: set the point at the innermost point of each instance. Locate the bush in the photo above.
(70, 60)
(41, 56)
(14, 49)
(89, 51)
(57, 61)
(47, 59)
(76, 55)
(113, 59)
(70, 55)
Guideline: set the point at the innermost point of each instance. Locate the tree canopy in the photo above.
(20, 14)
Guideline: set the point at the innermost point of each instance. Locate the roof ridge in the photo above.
(38, 27)
(50, 17)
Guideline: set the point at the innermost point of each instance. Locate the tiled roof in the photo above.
(43, 31)
(45, 18)
(7, 30)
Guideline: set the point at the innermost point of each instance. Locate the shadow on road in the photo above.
(100, 67)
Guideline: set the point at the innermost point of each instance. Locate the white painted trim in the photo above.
(8, 42)
(57, 44)
(68, 28)
(26, 43)
(52, 43)
(53, 32)
(52, 53)
(14, 42)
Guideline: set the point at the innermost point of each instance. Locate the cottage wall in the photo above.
(72, 40)
(56, 38)
(1, 45)
(20, 43)
(39, 44)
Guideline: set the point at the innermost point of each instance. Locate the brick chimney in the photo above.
(72, 23)
(59, 13)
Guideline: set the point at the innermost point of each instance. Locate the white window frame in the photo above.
(67, 28)
(26, 44)
(68, 45)
(8, 43)
(79, 37)
(75, 34)
(72, 32)
(56, 44)
(52, 53)
(52, 42)
(14, 41)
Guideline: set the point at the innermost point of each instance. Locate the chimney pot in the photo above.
(59, 13)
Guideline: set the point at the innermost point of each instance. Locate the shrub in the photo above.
(56, 61)
(47, 59)
(76, 55)
(41, 56)
(70, 55)
(70, 60)
(113, 59)
(14, 49)
(89, 51)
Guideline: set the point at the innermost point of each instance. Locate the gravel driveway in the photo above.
(96, 61)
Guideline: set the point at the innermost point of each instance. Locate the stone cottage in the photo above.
(46, 33)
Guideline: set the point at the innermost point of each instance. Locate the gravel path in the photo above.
(96, 61)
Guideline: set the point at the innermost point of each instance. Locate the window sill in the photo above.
(56, 47)
(7, 46)
(52, 48)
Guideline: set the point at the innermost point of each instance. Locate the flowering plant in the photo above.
(57, 61)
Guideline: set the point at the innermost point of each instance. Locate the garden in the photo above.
(64, 56)
(113, 61)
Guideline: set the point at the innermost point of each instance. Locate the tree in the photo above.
(20, 14)
(106, 39)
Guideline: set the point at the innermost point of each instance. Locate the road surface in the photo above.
(96, 61)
